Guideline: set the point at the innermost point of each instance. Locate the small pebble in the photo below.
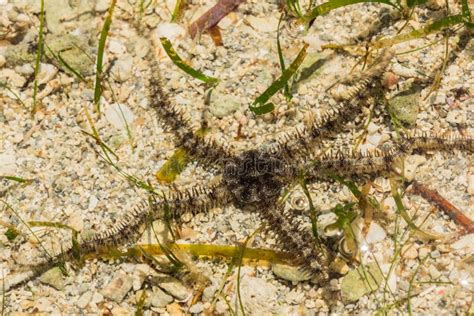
(53, 277)
(118, 288)
(47, 73)
(118, 115)
(290, 273)
(175, 288)
(122, 69)
(160, 298)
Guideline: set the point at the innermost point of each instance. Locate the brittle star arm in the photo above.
(128, 229)
(296, 239)
(207, 151)
(350, 163)
(302, 141)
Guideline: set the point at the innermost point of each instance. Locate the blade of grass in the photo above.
(404, 214)
(8, 206)
(100, 55)
(177, 162)
(434, 27)
(170, 51)
(439, 74)
(239, 265)
(251, 256)
(39, 54)
(260, 105)
(410, 287)
(312, 208)
(466, 12)
(282, 60)
(173, 166)
(334, 4)
(178, 11)
(61, 61)
(95, 134)
(50, 224)
(16, 179)
(17, 97)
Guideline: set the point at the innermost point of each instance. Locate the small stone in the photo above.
(266, 24)
(208, 293)
(119, 115)
(160, 298)
(290, 273)
(7, 164)
(84, 299)
(170, 31)
(140, 273)
(374, 139)
(465, 242)
(76, 222)
(47, 73)
(409, 251)
(423, 252)
(13, 78)
(118, 288)
(175, 288)
(434, 273)
(158, 235)
(120, 311)
(174, 309)
(435, 254)
(97, 298)
(339, 266)
(116, 47)
(53, 277)
(375, 233)
(411, 165)
(354, 285)
(196, 308)
(101, 5)
(93, 201)
(221, 307)
(25, 69)
(122, 70)
(141, 48)
(3, 61)
(72, 50)
(405, 105)
(55, 11)
(456, 117)
(389, 80)
(223, 104)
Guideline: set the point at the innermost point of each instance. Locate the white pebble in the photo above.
(119, 114)
(375, 234)
(122, 70)
(47, 73)
(170, 31)
(7, 164)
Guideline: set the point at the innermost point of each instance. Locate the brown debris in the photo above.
(213, 16)
(452, 211)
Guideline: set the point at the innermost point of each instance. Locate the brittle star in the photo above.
(254, 179)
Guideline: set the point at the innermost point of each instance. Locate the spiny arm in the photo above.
(128, 229)
(299, 240)
(358, 163)
(301, 142)
(206, 151)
